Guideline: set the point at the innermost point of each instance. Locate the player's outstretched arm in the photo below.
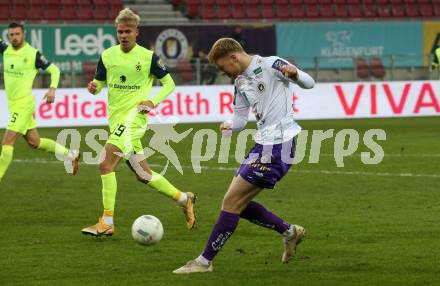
(50, 95)
(42, 63)
(240, 106)
(168, 86)
(299, 77)
(146, 106)
(55, 73)
(237, 122)
(159, 70)
(96, 85)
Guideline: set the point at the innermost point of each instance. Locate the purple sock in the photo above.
(223, 229)
(256, 213)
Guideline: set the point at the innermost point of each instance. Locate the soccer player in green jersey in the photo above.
(20, 66)
(128, 70)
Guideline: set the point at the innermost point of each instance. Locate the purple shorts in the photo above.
(265, 165)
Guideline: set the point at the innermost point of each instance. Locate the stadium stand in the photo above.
(362, 69)
(43, 11)
(89, 69)
(105, 10)
(185, 71)
(209, 10)
(212, 10)
(377, 68)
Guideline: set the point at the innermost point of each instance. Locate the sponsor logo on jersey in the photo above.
(124, 86)
(258, 70)
(14, 73)
(123, 79)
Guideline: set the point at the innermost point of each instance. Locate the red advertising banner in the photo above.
(76, 107)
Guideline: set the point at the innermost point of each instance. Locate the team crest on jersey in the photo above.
(278, 64)
(12, 67)
(25, 60)
(261, 87)
(138, 67)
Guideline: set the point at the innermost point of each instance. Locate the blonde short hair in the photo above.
(128, 17)
(222, 47)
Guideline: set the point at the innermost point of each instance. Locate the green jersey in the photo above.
(435, 61)
(20, 68)
(129, 78)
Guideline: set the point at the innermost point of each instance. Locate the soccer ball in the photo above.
(147, 230)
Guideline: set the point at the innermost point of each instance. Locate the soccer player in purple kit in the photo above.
(263, 85)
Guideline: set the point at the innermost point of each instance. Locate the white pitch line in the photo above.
(293, 170)
(36, 161)
(326, 172)
(393, 155)
(359, 173)
(330, 155)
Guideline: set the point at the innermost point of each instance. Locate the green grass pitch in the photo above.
(367, 224)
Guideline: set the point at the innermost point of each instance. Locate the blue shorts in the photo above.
(265, 165)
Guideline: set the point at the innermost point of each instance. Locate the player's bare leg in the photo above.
(10, 137)
(105, 224)
(239, 194)
(32, 137)
(144, 174)
(34, 140)
(7, 154)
